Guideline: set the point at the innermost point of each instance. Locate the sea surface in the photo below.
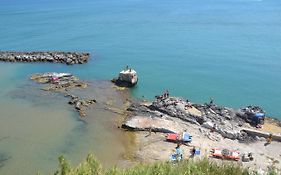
(229, 50)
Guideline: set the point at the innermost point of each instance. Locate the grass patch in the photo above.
(188, 167)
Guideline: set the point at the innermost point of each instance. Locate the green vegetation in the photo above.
(203, 167)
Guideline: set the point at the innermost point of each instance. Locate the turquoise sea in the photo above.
(226, 49)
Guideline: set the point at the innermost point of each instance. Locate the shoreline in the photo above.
(102, 121)
(149, 147)
(145, 146)
(151, 123)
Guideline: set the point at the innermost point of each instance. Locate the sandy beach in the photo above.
(152, 146)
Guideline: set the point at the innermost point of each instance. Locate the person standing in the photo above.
(179, 152)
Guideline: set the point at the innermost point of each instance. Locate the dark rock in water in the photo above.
(3, 159)
(80, 104)
(120, 83)
(58, 81)
(53, 57)
(61, 83)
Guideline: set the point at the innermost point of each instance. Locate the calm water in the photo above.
(36, 127)
(225, 49)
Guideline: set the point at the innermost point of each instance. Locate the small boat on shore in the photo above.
(225, 154)
(174, 137)
(127, 77)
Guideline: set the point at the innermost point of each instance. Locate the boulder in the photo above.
(208, 124)
(156, 124)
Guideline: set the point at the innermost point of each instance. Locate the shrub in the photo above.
(187, 167)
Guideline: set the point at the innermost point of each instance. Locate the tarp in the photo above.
(259, 115)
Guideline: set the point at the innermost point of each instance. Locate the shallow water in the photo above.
(225, 49)
(37, 126)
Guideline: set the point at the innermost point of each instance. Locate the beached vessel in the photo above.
(127, 77)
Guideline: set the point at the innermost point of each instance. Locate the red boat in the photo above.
(172, 137)
(225, 154)
(184, 137)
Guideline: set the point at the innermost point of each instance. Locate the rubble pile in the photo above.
(68, 58)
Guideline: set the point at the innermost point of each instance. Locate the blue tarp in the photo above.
(259, 115)
(186, 137)
(197, 152)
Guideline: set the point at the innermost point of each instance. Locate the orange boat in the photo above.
(184, 137)
(225, 154)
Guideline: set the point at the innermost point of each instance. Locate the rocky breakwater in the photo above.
(62, 83)
(226, 121)
(68, 58)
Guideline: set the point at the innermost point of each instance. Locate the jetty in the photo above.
(68, 58)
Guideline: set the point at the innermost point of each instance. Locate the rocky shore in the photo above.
(211, 126)
(68, 58)
(63, 83)
(225, 120)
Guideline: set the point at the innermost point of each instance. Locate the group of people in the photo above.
(127, 68)
(178, 155)
(165, 95)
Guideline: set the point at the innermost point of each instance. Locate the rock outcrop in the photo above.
(177, 107)
(58, 81)
(126, 78)
(68, 58)
(155, 124)
(80, 104)
(61, 83)
(223, 120)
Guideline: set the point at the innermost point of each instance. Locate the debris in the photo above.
(247, 157)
